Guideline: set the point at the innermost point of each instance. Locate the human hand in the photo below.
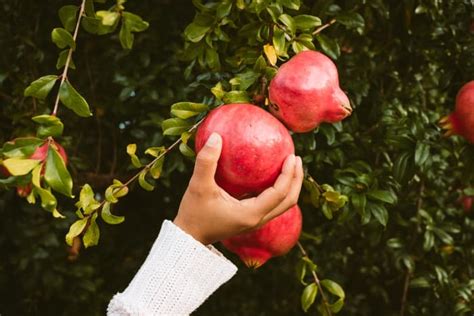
(210, 214)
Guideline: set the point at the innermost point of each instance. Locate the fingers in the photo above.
(273, 196)
(292, 197)
(206, 160)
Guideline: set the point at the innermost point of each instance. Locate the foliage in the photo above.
(381, 218)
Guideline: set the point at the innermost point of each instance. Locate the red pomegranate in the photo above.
(305, 92)
(467, 203)
(40, 153)
(461, 121)
(254, 147)
(275, 238)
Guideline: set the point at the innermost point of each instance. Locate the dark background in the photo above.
(402, 62)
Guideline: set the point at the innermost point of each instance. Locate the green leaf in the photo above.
(175, 126)
(308, 296)
(21, 147)
(334, 288)
(185, 110)
(143, 183)
(108, 217)
(92, 235)
(290, 4)
(155, 151)
(75, 230)
(19, 166)
(326, 210)
(73, 100)
(130, 23)
(306, 22)
(212, 59)
(68, 16)
(48, 200)
(301, 271)
(245, 79)
(422, 153)
(109, 18)
(56, 174)
(157, 167)
(126, 37)
(288, 22)
(279, 41)
(62, 59)
(41, 87)
(134, 22)
(194, 32)
(329, 46)
(131, 150)
(62, 38)
(379, 212)
(224, 9)
(186, 150)
(86, 196)
(467, 191)
(50, 125)
(351, 19)
(236, 97)
(382, 195)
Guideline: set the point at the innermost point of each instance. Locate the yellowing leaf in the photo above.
(75, 230)
(269, 51)
(20, 167)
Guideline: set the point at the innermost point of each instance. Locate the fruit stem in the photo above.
(322, 27)
(316, 280)
(69, 56)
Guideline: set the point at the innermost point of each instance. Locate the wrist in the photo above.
(191, 230)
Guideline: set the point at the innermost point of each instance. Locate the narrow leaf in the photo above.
(56, 174)
(41, 87)
(73, 100)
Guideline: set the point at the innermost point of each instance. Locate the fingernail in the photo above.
(213, 140)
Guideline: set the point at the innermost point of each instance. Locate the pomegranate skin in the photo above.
(305, 93)
(461, 121)
(254, 147)
(41, 153)
(275, 238)
(467, 203)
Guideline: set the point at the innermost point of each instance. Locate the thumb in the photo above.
(207, 158)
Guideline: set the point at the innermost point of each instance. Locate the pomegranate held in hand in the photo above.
(275, 238)
(305, 92)
(254, 147)
(461, 121)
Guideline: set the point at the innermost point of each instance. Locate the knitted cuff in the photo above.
(178, 275)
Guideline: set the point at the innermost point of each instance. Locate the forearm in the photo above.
(178, 275)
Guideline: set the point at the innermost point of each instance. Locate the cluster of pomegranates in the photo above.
(304, 93)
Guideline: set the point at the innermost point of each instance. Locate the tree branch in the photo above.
(69, 56)
(316, 280)
(322, 27)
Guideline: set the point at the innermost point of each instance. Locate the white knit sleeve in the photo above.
(178, 275)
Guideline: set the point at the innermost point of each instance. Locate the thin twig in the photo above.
(316, 280)
(150, 164)
(69, 56)
(419, 205)
(405, 293)
(322, 27)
